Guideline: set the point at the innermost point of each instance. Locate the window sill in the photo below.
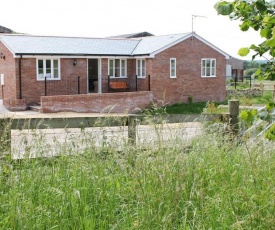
(112, 77)
(142, 77)
(173, 77)
(208, 76)
(49, 79)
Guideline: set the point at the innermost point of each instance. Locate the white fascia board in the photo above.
(7, 47)
(227, 56)
(86, 56)
(152, 55)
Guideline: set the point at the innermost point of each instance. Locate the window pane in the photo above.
(55, 69)
(208, 63)
(55, 64)
(48, 68)
(55, 72)
(40, 64)
(40, 69)
(111, 67)
(173, 67)
(139, 68)
(143, 68)
(123, 68)
(117, 68)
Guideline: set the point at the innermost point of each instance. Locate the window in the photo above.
(173, 68)
(141, 68)
(117, 68)
(208, 67)
(49, 68)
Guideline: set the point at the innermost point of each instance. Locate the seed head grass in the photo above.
(210, 182)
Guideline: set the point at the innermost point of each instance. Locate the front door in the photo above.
(93, 75)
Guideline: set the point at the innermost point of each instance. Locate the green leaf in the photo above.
(258, 72)
(244, 26)
(270, 133)
(270, 42)
(266, 20)
(224, 8)
(243, 51)
(260, 5)
(253, 47)
(248, 116)
(270, 106)
(273, 32)
(265, 33)
(254, 112)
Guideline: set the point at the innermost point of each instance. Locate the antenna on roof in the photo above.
(195, 16)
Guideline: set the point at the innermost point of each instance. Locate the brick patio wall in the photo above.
(15, 104)
(125, 102)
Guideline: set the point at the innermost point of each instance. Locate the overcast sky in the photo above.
(102, 18)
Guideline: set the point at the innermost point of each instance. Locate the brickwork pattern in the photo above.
(189, 82)
(96, 103)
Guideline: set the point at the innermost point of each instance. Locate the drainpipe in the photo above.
(20, 78)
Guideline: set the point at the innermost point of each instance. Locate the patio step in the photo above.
(35, 108)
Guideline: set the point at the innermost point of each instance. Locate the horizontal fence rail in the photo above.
(130, 121)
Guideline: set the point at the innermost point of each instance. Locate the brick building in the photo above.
(74, 74)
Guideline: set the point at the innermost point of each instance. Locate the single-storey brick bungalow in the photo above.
(90, 74)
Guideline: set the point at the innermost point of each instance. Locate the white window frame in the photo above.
(51, 76)
(171, 68)
(141, 68)
(212, 68)
(120, 75)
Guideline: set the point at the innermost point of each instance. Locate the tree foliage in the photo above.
(251, 64)
(260, 16)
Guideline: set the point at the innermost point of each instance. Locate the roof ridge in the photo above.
(72, 37)
(136, 46)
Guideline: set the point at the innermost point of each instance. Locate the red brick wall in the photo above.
(7, 67)
(97, 103)
(189, 82)
(66, 86)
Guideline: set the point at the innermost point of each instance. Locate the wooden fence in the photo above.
(131, 120)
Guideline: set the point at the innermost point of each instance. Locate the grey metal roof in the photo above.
(38, 45)
(42, 45)
(152, 44)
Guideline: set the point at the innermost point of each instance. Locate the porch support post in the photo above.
(149, 82)
(108, 83)
(78, 85)
(20, 77)
(45, 86)
(136, 84)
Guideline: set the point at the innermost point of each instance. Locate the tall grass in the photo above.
(214, 182)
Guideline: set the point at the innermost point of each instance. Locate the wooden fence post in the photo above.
(132, 128)
(5, 134)
(233, 107)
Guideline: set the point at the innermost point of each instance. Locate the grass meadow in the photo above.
(213, 181)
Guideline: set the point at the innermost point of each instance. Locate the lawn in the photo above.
(212, 107)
